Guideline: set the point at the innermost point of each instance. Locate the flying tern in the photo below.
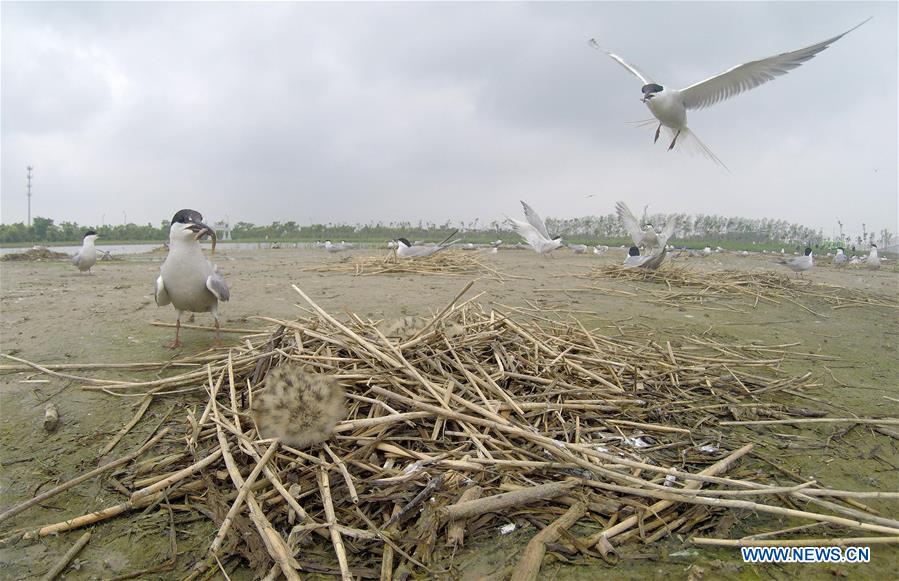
(669, 106)
(187, 280)
(800, 263)
(87, 256)
(534, 232)
(646, 237)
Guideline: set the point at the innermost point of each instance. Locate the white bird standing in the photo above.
(800, 263)
(646, 237)
(578, 248)
(405, 249)
(873, 258)
(669, 106)
(187, 280)
(86, 258)
(840, 259)
(652, 261)
(600, 250)
(534, 232)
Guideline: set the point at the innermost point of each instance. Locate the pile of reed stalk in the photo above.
(684, 286)
(445, 263)
(36, 253)
(599, 437)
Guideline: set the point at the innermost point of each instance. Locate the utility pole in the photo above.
(30, 168)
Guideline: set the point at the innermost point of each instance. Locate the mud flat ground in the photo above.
(51, 314)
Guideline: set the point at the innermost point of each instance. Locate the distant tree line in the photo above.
(597, 229)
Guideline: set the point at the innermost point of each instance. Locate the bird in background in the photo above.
(406, 249)
(86, 258)
(578, 248)
(186, 279)
(339, 247)
(873, 260)
(669, 106)
(645, 237)
(534, 232)
(801, 263)
(651, 261)
(840, 259)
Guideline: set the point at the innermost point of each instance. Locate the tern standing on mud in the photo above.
(87, 256)
(187, 280)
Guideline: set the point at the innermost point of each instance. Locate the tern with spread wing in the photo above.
(187, 280)
(534, 232)
(645, 237)
(669, 105)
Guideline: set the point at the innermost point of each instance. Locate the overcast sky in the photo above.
(337, 112)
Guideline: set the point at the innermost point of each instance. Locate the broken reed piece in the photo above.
(455, 535)
(61, 565)
(51, 417)
(498, 502)
(528, 568)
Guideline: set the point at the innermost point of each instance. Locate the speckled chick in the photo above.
(299, 407)
(406, 328)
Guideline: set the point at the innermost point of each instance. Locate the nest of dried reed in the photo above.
(600, 437)
(36, 253)
(684, 286)
(446, 263)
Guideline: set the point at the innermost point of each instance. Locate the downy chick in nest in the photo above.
(406, 328)
(299, 407)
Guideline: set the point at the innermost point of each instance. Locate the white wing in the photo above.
(633, 70)
(76, 260)
(630, 222)
(750, 75)
(667, 232)
(216, 285)
(529, 233)
(535, 221)
(162, 297)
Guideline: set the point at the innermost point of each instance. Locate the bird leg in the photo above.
(658, 130)
(217, 342)
(673, 141)
(177, 342)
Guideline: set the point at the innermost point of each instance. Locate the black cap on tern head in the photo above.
(187, 216)
(633, 251)
(808, 250)
(652, 88)
(873, 245)
(404, 241)
(88, 233)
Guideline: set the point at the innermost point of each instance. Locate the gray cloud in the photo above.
(356, 112)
